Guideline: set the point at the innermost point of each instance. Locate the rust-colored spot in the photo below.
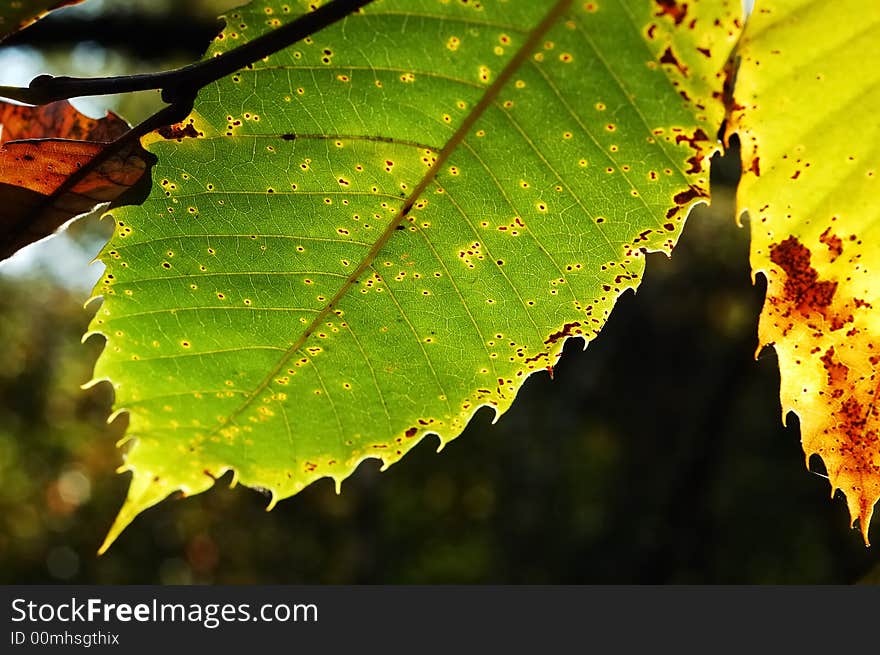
(837, 372)
(835, 245)
(854, 417)
(839, 321)
(669, 57)
(671, 9)
(685, 197)
(756, 167)
(698, 135)
(802, 285)
(696, 161)
(705, 52)
(643, 236)
(566, 331)
(411, 432)
(178, 131)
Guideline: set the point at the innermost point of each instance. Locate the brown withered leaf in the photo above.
(56, 120)
(43, 154)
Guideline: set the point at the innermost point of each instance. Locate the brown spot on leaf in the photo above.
(756, 167)
(672, 9)
(566, 331)
(178, 131)
(837, 372)
(802, 285)
(696, 161)
(834, 243)
(669, 57)
(854, 418)
(698, 135)
(535, 358)
(685, 197)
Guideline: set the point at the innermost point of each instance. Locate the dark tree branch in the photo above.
(184, 82)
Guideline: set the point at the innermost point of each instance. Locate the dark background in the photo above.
(655, 456)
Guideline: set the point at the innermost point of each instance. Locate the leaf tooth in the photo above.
(144, 492)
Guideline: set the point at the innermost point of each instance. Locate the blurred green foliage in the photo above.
(685, 476)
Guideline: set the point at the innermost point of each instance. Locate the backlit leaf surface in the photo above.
(301, 292)
(807, 94)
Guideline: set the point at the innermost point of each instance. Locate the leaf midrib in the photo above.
(485, 101)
